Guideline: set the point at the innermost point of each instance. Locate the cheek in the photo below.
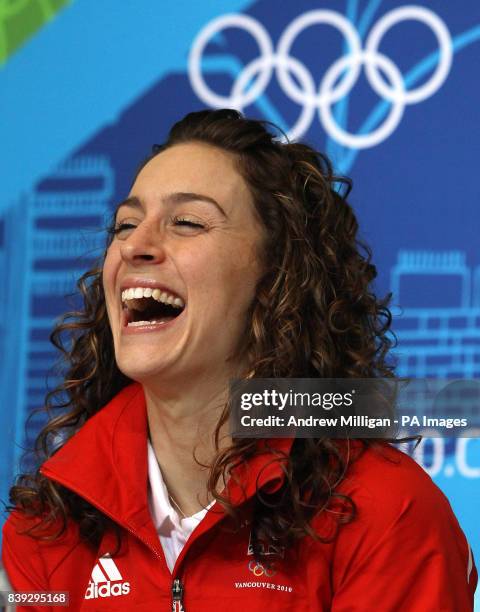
(244, 269)
(229, 284)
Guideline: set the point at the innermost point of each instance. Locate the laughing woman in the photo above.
(233, 256)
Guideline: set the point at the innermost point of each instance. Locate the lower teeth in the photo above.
(141, 323)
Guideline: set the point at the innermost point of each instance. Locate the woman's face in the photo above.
(187, 234)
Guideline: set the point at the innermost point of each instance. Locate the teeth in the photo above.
(136, 293)
(140, 323)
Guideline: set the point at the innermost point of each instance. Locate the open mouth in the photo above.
(147, 306)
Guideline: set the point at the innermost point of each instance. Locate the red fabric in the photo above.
(404, 551)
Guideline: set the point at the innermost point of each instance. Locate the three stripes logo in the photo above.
(106, 580)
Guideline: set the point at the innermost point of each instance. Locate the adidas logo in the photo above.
(106, 580)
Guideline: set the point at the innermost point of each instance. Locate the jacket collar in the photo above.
(106, 463)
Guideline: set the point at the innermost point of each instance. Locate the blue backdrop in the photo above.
(389, 91)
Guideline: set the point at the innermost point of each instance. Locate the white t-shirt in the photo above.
(172, 530)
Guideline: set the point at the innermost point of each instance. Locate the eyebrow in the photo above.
(178, 197)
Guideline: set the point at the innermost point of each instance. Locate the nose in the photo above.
(144, 245)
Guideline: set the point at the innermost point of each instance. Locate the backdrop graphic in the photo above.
(387, 89)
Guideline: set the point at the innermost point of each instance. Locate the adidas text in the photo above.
(107, 589)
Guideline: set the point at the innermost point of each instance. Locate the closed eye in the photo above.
(121, 227)
(187, 223)
(182, 222)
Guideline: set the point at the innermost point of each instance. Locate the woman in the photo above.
(234, 256)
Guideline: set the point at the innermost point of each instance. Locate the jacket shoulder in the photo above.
(393, 494)
(390, 477)
(31, 553)
(404, 539)
(21, 555)
(385, 485)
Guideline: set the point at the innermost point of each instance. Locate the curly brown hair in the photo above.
(314, 315)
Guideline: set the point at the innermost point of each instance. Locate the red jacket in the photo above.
(404, 552)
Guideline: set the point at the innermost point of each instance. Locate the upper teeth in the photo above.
(135, 293)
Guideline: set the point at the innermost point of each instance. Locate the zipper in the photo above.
(177, 596)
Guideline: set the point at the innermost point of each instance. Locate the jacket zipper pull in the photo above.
(177, 596)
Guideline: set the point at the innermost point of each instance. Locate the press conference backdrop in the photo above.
(389, 90)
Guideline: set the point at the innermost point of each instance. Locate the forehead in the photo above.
(193, 167)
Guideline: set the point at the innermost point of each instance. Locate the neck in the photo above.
(181, 424)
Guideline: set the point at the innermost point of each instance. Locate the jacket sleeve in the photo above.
(22, 561)
(403, 552)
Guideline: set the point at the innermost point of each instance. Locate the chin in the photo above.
(139, 368)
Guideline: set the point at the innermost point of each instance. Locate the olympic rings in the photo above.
(345, 70)
(259, 570)
(444, 42)
(359, 141)
(342, 24)
(303, 75)
(235, 20)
